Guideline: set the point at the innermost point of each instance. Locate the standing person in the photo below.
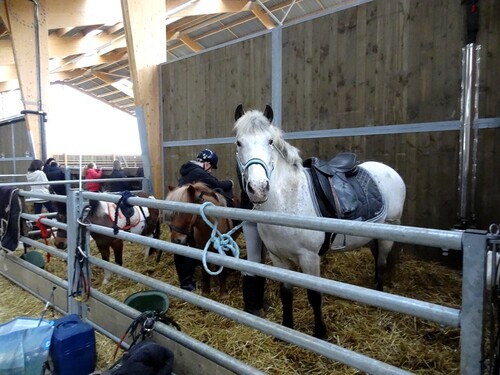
(199, 170)
(118, 172)
(92, 173)
(55, 173)
(253, 285)
(36, 174)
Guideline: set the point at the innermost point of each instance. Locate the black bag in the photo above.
(145, 358)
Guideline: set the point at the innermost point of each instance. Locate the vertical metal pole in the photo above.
(276, 74)
(14, 158)
(466, 120)
(74, 208)
(72, 213)
(147, 185)
(475, 131)
(473, 302)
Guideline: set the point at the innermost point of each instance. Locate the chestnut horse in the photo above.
(191, 229)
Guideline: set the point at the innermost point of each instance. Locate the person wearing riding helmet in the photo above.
(199, 170)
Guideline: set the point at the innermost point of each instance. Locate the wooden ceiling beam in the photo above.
(32, 68)
(195, 46)
(62, 47)
(203, 7)
(147, 48)
(262, 16)
(63, 13)
(89, 61)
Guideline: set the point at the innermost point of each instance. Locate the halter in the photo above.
(189, 232)
(243, 167)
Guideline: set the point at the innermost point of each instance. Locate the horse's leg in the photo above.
(104, 250)
(223, 284)
(205, 281)
(380, 251)
(310, 264)
(286, 292)
(117, 246)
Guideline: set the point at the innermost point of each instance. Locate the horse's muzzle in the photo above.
(258, 191)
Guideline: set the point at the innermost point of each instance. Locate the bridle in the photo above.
(243, 167)
(189, 231)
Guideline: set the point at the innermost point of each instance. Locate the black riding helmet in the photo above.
(208, 156)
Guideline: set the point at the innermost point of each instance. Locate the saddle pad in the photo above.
(123, 222)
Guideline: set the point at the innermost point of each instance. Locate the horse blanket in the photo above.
(10, 218)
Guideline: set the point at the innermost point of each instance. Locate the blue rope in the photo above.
(221, 242)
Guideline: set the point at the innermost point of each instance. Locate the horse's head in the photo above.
(256, 141)
(183, 226)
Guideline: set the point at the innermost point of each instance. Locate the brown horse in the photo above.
(191, 230)
(144, 221)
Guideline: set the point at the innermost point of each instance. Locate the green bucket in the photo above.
(35, 258)
(149, 300)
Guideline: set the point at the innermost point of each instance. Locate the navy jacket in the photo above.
(55, 173)
(191, 172)
(119, 185)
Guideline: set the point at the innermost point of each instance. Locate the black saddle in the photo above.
(343, 189)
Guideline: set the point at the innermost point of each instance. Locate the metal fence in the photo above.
(469, 317)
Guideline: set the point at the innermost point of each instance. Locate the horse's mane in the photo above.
(180, 194)
(254, 122)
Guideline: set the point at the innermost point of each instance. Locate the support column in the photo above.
(32, 63)
(147, 48)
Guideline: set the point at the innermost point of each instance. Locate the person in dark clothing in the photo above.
(253, 285)
(118, 172)
(199, 170)
(55, 173)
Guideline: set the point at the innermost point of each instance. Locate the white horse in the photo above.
(275, 180)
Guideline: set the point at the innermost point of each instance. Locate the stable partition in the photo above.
(112, 317)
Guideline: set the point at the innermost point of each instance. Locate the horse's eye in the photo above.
(238, 143)
(270, 142)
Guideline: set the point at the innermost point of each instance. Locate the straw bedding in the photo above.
(414, 344)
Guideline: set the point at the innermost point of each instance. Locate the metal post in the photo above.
(468, 119)
(473, 302)
(277, 69)
(147, 185)
(73, 212)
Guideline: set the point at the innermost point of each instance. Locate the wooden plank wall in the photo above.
(382, 63)
(201, 93)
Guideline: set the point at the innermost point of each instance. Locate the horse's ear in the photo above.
(239, 112)
(268, 112)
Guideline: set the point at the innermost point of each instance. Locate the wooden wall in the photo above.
(382, 63)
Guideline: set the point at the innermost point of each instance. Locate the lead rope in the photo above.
(222, 242)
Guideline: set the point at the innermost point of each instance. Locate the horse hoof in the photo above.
(257, 312)
(320, 333)
(189, 287)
